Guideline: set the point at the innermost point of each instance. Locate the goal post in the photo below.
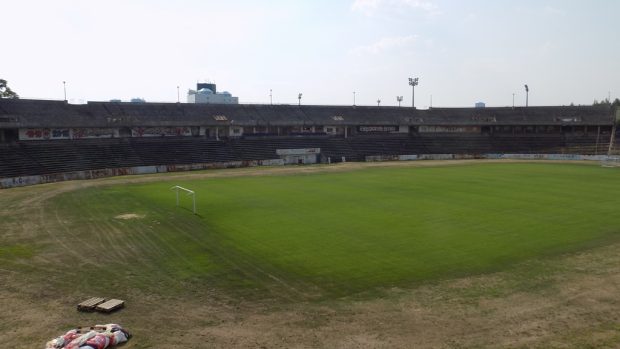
(191, 193)
(611, 161)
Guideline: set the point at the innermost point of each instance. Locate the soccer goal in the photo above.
(611, 161)
(191, 193)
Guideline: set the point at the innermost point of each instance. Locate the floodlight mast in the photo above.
(399, 99)
(527, 95)
(299, 97)
(413, 82)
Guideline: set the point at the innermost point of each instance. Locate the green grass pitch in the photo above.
(326, 235)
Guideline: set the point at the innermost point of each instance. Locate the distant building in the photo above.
(480, 105)
(206, 93)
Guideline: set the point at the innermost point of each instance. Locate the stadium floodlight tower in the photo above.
(189, 192)
(413, 82)
(299, 98)
(527, 95)
(378, 102)
(399, 99)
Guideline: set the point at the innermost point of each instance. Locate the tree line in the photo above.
(606, 101)
(5, 91)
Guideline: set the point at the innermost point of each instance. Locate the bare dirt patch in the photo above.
(127, 216)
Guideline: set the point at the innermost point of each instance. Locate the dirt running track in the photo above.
(576, 303)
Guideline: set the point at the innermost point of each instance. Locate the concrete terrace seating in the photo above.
(588, 145)
(66, 156)
(58, 156)
(180, 150)
(15, 162)
(384, 145)
(538, 144)
(454, 144)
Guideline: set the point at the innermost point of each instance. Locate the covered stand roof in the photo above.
(39, 113)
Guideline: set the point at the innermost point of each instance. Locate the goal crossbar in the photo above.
(191, 193)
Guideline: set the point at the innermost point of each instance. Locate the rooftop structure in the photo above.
(206, 93)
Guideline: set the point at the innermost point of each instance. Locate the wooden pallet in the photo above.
(110, 305)
(90, 304)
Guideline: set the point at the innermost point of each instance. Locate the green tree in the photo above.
(606, 101)
(5, 91)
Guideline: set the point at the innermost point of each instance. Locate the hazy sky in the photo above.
(463, 51)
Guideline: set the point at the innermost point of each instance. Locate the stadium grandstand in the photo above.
(47, 141)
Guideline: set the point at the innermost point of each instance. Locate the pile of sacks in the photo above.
(95, 337)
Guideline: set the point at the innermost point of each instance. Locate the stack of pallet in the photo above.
(101, 305)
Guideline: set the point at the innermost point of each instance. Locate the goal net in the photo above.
(611, 161)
